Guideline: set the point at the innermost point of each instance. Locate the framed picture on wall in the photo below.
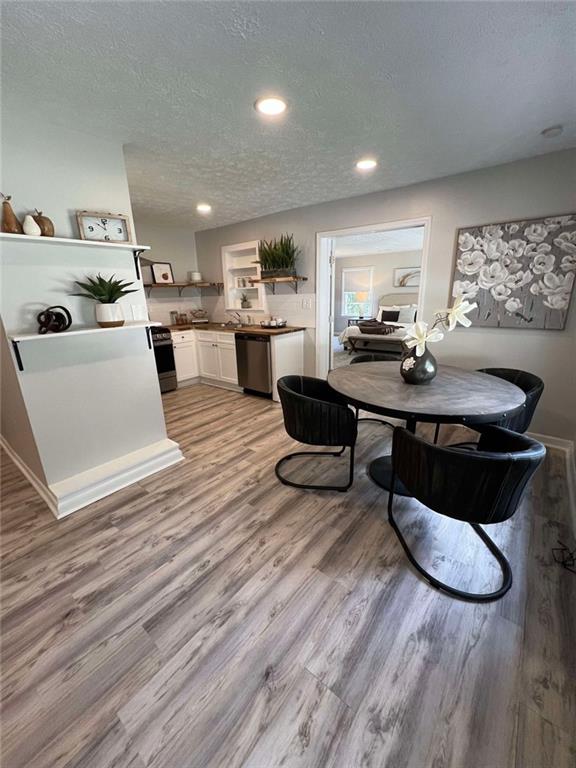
(407, 277)
(520, 273)
(162, 272)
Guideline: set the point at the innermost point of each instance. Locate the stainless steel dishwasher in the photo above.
(253, 362)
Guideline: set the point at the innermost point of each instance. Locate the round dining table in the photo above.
(454, 396)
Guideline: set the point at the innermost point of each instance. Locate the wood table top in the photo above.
(454, 395)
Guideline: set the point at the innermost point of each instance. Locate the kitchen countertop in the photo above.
(255, 329)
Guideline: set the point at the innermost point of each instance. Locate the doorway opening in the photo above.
(366, 276)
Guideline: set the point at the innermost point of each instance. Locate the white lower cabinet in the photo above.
(185, 355)
(209, 362)
(227, 363)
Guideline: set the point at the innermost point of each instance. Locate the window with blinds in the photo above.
(357, 300)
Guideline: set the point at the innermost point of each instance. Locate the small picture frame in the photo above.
(162, 273)
(104, 227)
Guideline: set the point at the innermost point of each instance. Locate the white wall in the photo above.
(89, 400)
(173, 243)
(384, 265)
(539, 186)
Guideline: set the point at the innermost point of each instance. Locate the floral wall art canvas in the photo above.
(520, 273)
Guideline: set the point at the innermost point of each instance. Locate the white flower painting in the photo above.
(520, 274)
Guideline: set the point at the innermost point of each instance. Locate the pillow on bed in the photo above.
(387, 308)
(407, 314)
(389, 315)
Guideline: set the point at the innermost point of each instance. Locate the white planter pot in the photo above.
(109, 315)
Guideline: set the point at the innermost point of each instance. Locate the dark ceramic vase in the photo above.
(421, 371)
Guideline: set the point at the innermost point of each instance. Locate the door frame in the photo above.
(325, 274)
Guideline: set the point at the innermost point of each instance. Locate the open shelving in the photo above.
(136, 249)
(274, 281)
(18, 338)
(182, 286)
(240, 261)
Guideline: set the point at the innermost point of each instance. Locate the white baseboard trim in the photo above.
(567, 446)
(221, 384)
(80, 490)
(39, 485)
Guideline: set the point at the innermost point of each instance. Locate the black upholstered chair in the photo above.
(479, 487)
(530, 384)
(374, 357)
(315, 414)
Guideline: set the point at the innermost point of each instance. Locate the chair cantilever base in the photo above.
(470, 596)
(304, 486)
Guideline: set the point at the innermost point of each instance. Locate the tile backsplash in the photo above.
(297, 309)
(159, 308)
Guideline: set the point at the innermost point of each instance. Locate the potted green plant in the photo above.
(278, 257)
(105, 291)
(245, 302)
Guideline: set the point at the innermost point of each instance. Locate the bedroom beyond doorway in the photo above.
(375, 276)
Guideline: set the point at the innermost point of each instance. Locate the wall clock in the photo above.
(105, 227)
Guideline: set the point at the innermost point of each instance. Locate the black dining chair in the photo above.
(315, 414)
(374, 357)
(481, 487)
(529, 383)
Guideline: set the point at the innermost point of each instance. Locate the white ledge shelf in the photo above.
(81, 331)
(17, 338)
(73, 241)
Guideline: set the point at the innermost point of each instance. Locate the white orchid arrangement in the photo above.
(418, 335)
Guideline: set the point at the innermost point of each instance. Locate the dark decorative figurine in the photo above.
(55, 319)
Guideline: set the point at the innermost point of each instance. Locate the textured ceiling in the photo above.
(392, 241)
(430, 88)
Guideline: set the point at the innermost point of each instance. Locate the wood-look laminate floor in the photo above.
(209, 617)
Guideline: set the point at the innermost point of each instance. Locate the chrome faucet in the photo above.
(237, 318)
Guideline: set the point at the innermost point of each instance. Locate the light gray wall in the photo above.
(539, 186)
(88, 399)
(382, 277)
(175, 244)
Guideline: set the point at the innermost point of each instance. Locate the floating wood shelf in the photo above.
(273, 281)
(17, 338)
(182, 286)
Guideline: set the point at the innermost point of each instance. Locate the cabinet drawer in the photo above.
(205, 336)
(225, 338)
(183, 337)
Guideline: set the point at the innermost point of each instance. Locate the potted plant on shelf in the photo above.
(245, 302)
(106, 291)
(278, 257)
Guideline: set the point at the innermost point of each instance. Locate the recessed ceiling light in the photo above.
(366, 164)
(204, 208)
(552, 132)
(270, 106)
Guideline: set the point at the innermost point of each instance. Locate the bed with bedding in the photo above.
(396, 311)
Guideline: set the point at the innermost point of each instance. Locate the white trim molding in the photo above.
(567, 447)
(325, 279)
(80, 490)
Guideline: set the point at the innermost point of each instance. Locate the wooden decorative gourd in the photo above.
(45, 224)
(10, 222)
